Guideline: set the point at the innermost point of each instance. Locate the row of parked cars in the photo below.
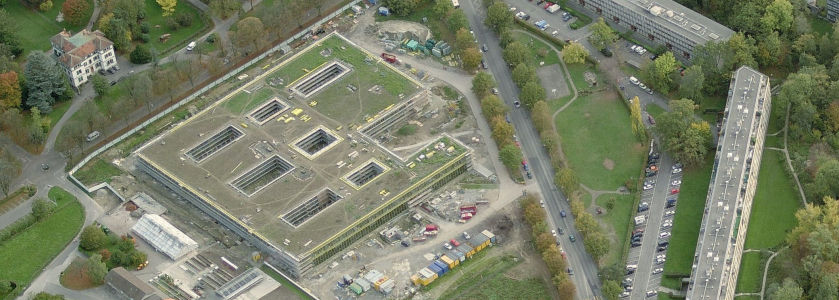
(641, 85)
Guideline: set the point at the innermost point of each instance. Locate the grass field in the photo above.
(747, 297)
(279, 278)
(57, 112)
(97, 171)
(486, 279)
(819, 25)
(774, 206)
(686, 222)
(154, 16)
(23, 255)
(577, 71)
(245, 102)
(618, 218)
(34, 28)
(538, 50)
(598, 142)
(751, 273)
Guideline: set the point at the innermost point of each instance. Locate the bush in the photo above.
(408, 129)
(171, 23)
(141, 55)
(5, 287)
(17, 227)
(211, 38)
(145, 38)
(92, 238)
(183, 19)
(145, 27)
(42, 208)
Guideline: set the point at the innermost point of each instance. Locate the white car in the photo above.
(659, 261)
(634, 80)
(494, 91)
(677, 171)
(624, 294)
(447, 246)
(676, 182)
(466, 235)
(661, 256)
(633, 47)
(669, 213)
(652, 293)
(658, 270)
(542, 203)
(642, 86)
(666, 225)
(664, 234)
(553, 231)
(648, 186)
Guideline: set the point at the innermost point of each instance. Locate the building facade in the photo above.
(83, 54)
(733, 184)
(833, 10)
(662, 22)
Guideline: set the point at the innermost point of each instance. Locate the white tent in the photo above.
(163, 236)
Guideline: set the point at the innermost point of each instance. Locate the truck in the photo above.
(553, 8)
(390, 58)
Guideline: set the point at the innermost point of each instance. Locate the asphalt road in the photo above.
(586, 272)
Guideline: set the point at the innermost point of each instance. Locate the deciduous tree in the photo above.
(515, 53)
(100, 84)
(92, 238)
(249, 32)
(398, 7)
(464, 39)
(482, 83)
(9, 33)
(789, 290)
(502, 132)
(660, 72)
(75, 11)
(499, 16)
(141, 55)
(457, 20)
(47, 296)
(690, 86)
(226, 8)
(522, 74)
(510, 155)
(611, 289)
(42, 208)
(601, 34)
(168, 6)
(567, 180)
(9, 91)
(574, 53)
(471, 58)
(492, 106)
(442, 8)
(531, 93)
(778, 16)
(637, 120)
(96, 269)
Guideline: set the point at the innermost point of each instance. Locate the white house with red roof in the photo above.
(83, 54)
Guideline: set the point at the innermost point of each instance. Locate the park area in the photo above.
(179, 37)
(494, 278)
(25, 254)
(619, 216)
(774, 206)
(751, 272)
(34, 27)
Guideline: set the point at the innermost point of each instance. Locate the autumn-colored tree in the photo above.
(75, 11)
(9, 90)
(544, 241)
(554, 261)
(502, 132)
(492, 106)
(168, 6)
(637, 120)
(566, 289)
(471, 58)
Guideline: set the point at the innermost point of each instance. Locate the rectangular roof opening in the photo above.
(262, 175)
(215, 143)
(321, 78)
(316, 142)
(365, 174)
(268, 111)
(311, 207)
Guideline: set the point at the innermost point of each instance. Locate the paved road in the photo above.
(586, 272)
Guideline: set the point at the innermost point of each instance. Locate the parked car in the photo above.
(642, 85)
(650, 119)
(454, 242)
(495, 91)
(658, 270)
(517, 103)
(484, 48)
(677, 171)
(466, 235)
(664, 234)
(634, 80)
(448, 246)
(553, 232)
(562, 213)
(560, 230)
(674, 191)
(676, 182)
(572, 238)
(606, 52)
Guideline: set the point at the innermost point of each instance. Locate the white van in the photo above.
(634, 80)
(190, 46)
(92, 136)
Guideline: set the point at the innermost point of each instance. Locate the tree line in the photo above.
(546, 245)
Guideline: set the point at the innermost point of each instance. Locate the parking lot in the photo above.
(650, 240)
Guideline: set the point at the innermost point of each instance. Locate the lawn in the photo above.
(35, 27)
(245, 102)
(487, 280)
(181, 36)
(618, 218)
(539, 50)
(596, 137)
(283, 281)
(96, 171)
(577, 71)
(751, 273)
(820, 26)
(25, 254)
(774, 206)
(57, 112)
(686, 222)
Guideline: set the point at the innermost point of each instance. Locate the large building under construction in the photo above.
(293, 160)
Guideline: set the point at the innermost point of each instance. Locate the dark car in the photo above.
(670, 203)
(661, 248)
(637, 244)
(558, 229)
(484, 48)
(406, 244)
(572, 238)
(663, 243)
(562, 213)
(606, 52)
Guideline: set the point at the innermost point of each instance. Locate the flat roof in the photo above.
(339, 112)
(728, 183)
(670, 14)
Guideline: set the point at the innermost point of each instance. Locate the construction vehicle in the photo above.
(390, 58)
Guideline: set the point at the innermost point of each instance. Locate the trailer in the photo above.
(553, 8)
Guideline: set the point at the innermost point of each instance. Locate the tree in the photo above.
(464, 39)
(511, 156)
(457, 20)
(492, 106)
(249, 34)
(471, 58)
(226, 8)
(522, 74)
(553, 260)
(541, 115)
(637, 120)
(567, 180)
(601, 34)
(788, 291)
(9, 33)
(42, 208)
(96, 269)
(743, 49)
(482, 83)
(544, 241)
(574, 53)
(693, 144)
(567, 290)
(499, 16)
(92, 238)
(531, 93)
(168, 6)
(832, 116)
(141, 55)
(399, 7)
(9, 170)
(442, 8)
(139, 87)
(44, 81)
(778, 16)
(611, 289)
(100, 85)
(769, 50)
(597, 244)
(75, 11)
(659, 73)
(506, 37)
(690, 86)
(825, 183)
(502, 132)
(715, 58)
(515, 53)
(9, 91)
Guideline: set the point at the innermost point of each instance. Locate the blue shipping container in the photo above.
(442, 265)
(436, 269)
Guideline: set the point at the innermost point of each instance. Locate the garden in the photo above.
(35, 26)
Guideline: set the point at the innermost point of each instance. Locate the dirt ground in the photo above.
(75, 276)
(553, 80)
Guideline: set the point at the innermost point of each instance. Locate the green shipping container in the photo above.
(356, 288)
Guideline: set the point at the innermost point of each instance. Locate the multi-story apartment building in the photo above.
(833, 10)
(83, 54)
(733, 184)
(663, 22)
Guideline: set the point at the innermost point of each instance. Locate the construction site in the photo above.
(301, 163)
